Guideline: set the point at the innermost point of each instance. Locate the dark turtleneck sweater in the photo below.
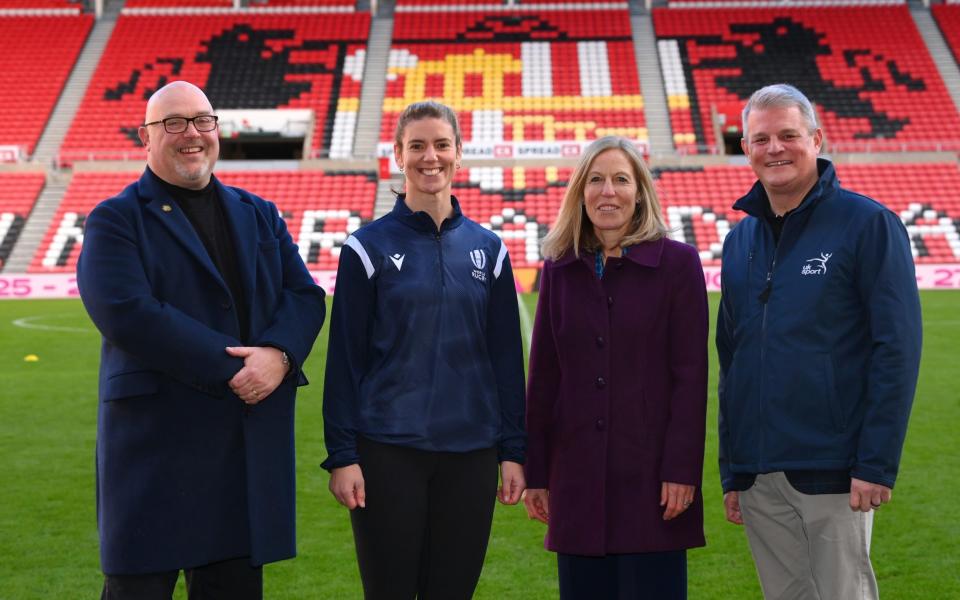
(204, 210)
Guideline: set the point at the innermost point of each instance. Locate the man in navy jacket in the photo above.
(207, 312)
(819, 338)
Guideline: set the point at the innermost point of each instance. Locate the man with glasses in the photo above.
(207, 313)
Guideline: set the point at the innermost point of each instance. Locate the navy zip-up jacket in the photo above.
(425, 348)
(818, 337)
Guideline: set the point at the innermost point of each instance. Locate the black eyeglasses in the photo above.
(202, 123)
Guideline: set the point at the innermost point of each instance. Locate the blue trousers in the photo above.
(648, 575)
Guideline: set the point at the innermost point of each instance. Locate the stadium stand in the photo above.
(766, 3)
(18, 193)
(320, 209)
(444, 5)
(518, 204)
(947, 17)
(874, 92)
(698, 202)
(572, 2)
(242, 60)
(32, 45)
(517, 76)
(39, 6)
(521, 72)
(324, 3)
(177, 3)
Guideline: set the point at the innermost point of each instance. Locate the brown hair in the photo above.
(428, 109)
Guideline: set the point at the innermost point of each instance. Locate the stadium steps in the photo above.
(374, 86)
(39, 221)
(939, 50)
(651, 85)
(385, 198)
(66, 108)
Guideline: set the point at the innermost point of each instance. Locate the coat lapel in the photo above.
(242, 220)
(166, 210)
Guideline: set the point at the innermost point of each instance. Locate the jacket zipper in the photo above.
(440, 253)
(764, 297)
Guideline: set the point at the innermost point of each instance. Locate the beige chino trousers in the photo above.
(807, 547)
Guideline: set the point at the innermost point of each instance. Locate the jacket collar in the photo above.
(421, 221)
(755, 201)
(645, 254)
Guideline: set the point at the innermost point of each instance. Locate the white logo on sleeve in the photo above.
(816, 266)
(479, 259)
(397, 259)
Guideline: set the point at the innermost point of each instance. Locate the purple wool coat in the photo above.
(617, 398)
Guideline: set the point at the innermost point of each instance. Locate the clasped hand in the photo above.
(263, 370)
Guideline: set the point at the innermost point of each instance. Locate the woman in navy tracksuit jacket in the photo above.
(424, 391)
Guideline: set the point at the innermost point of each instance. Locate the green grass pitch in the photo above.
(48, 537)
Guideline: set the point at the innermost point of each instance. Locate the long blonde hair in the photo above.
(573, 229)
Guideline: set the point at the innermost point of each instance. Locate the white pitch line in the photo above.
(28, 323)
(525, 322)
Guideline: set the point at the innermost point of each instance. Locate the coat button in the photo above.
(609, 300)
(601, 425)
(601, 383)
(225, 305)
(600, 341)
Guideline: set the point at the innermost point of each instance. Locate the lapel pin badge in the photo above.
(166, 208)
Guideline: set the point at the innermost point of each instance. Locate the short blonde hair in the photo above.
(573, 229)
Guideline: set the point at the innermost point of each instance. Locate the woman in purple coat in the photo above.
(616, 397)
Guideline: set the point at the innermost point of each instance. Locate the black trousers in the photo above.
(228, 580)
(642, 576)
(424, 531)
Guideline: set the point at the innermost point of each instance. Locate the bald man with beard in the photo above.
(207, 313)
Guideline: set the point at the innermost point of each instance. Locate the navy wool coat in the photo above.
(616, 398)
(186, 473)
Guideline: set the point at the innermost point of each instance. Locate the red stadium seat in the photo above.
(177, 3)
(32, 45)
(314, 3)
(75, 6)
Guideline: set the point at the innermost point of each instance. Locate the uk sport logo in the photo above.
(816, 266)
(479, 259)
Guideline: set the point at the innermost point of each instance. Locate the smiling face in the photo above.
(783, 153)
(610, 196)
(429, 157)
(184, 159)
